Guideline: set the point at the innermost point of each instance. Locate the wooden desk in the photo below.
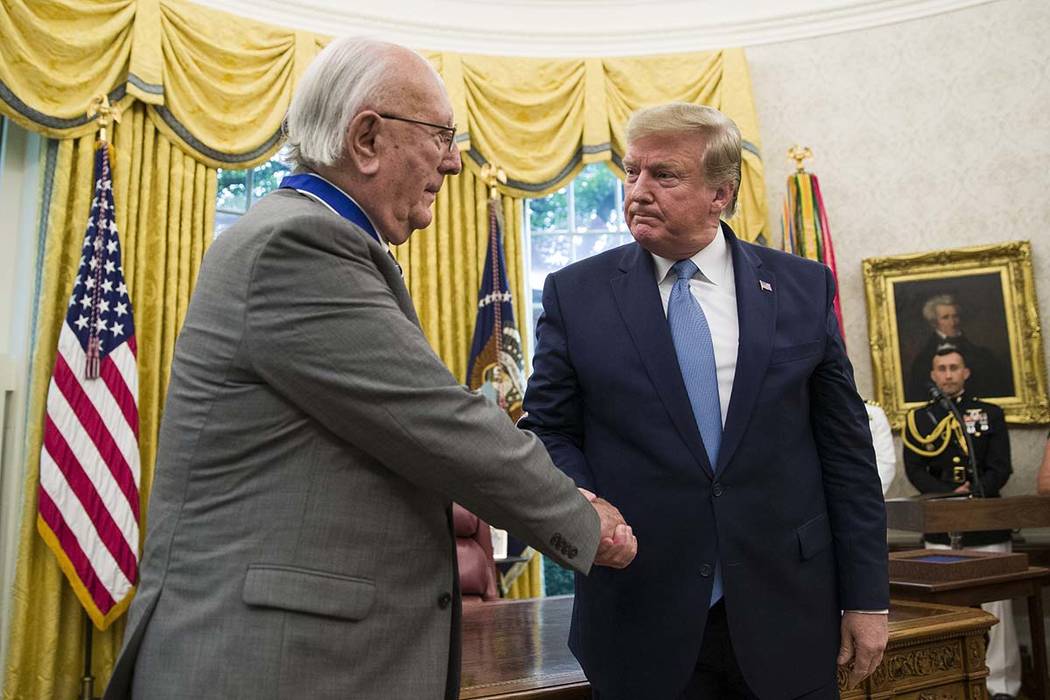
(1024, 584)
(517, 650)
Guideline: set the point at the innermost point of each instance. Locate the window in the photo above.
(239, 189)
(576, 222)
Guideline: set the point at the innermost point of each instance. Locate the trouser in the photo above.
(1003, 654)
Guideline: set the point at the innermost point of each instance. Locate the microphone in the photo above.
(935, 393)
(976, 486)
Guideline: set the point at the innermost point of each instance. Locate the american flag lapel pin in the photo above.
(765, 286)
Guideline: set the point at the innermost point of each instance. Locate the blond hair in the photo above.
(720, 161)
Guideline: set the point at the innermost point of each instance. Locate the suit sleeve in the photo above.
(996, 469)
(553, 406)
(324, 330)
(851, 480)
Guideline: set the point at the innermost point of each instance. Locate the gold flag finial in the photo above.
(104, 113)
(493, 176)
(799, 154)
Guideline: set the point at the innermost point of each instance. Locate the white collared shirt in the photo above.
(714, 287)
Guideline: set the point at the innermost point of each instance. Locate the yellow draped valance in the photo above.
(218, 86)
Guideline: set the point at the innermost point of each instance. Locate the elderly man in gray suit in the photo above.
(299, 541)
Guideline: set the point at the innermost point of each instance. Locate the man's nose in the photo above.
(639, 191)
(451, 164)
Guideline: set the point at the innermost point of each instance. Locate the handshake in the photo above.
(618, 545)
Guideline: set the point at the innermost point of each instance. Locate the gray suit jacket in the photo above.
(299, 542)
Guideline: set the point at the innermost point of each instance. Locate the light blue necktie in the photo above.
(696, 358)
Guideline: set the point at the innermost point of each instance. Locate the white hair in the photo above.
(349, 75)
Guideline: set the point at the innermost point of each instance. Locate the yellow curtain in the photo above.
(165, 210)
(218, 87)
(542, 120)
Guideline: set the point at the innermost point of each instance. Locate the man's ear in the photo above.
(723, 196)
(361, 142)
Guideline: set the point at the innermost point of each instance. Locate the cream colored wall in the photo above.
(928, 134)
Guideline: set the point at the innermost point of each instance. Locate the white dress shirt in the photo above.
(882, 441)
(714, 287)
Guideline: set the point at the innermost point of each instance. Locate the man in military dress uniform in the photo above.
(936, 461)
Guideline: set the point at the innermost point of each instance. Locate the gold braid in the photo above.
(942, 431)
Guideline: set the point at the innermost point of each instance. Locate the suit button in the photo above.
(706, 570)
(718, 490)
(444, 599)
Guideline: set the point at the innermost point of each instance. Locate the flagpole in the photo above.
(87, 683)
(104, 114)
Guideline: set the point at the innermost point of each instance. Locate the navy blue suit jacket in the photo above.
(794, 510)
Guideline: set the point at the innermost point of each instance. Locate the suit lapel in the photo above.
(388, 268)
(756, 313)
(638, 299)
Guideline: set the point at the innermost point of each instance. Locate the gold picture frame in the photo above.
(991, 289)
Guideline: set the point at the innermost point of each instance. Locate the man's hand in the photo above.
(964, 488)
(864, 638)
(618, 545)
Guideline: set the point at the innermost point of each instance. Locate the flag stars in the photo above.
(111, 247)
(122, 289)
(120, 309)
(81, 322)
(100, 325)
(107, 286)
(89, 283)
(110, 267)
(117, 329)
(104, 306)
(93, 263)
(85, 301)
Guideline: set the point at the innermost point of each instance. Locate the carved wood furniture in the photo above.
(968, 515)
(517, 650)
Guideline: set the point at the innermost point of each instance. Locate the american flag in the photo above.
(89, 463)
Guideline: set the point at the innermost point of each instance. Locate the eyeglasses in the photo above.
(448, 133)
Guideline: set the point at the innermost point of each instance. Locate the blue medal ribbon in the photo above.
(339, 201)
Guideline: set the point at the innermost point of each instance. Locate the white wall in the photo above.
(19, 203)
(927, 134)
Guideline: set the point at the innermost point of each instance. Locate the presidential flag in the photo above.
(496, 366)
(497, 369)
(88, 512)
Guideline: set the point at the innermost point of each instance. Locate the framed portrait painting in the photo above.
(979, 300)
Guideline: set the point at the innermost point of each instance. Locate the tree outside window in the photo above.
(576, 222)
(238, 189)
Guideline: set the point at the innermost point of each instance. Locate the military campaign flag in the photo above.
(88, 512)
(804, 227)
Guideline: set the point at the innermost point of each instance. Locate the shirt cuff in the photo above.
(870, 612)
